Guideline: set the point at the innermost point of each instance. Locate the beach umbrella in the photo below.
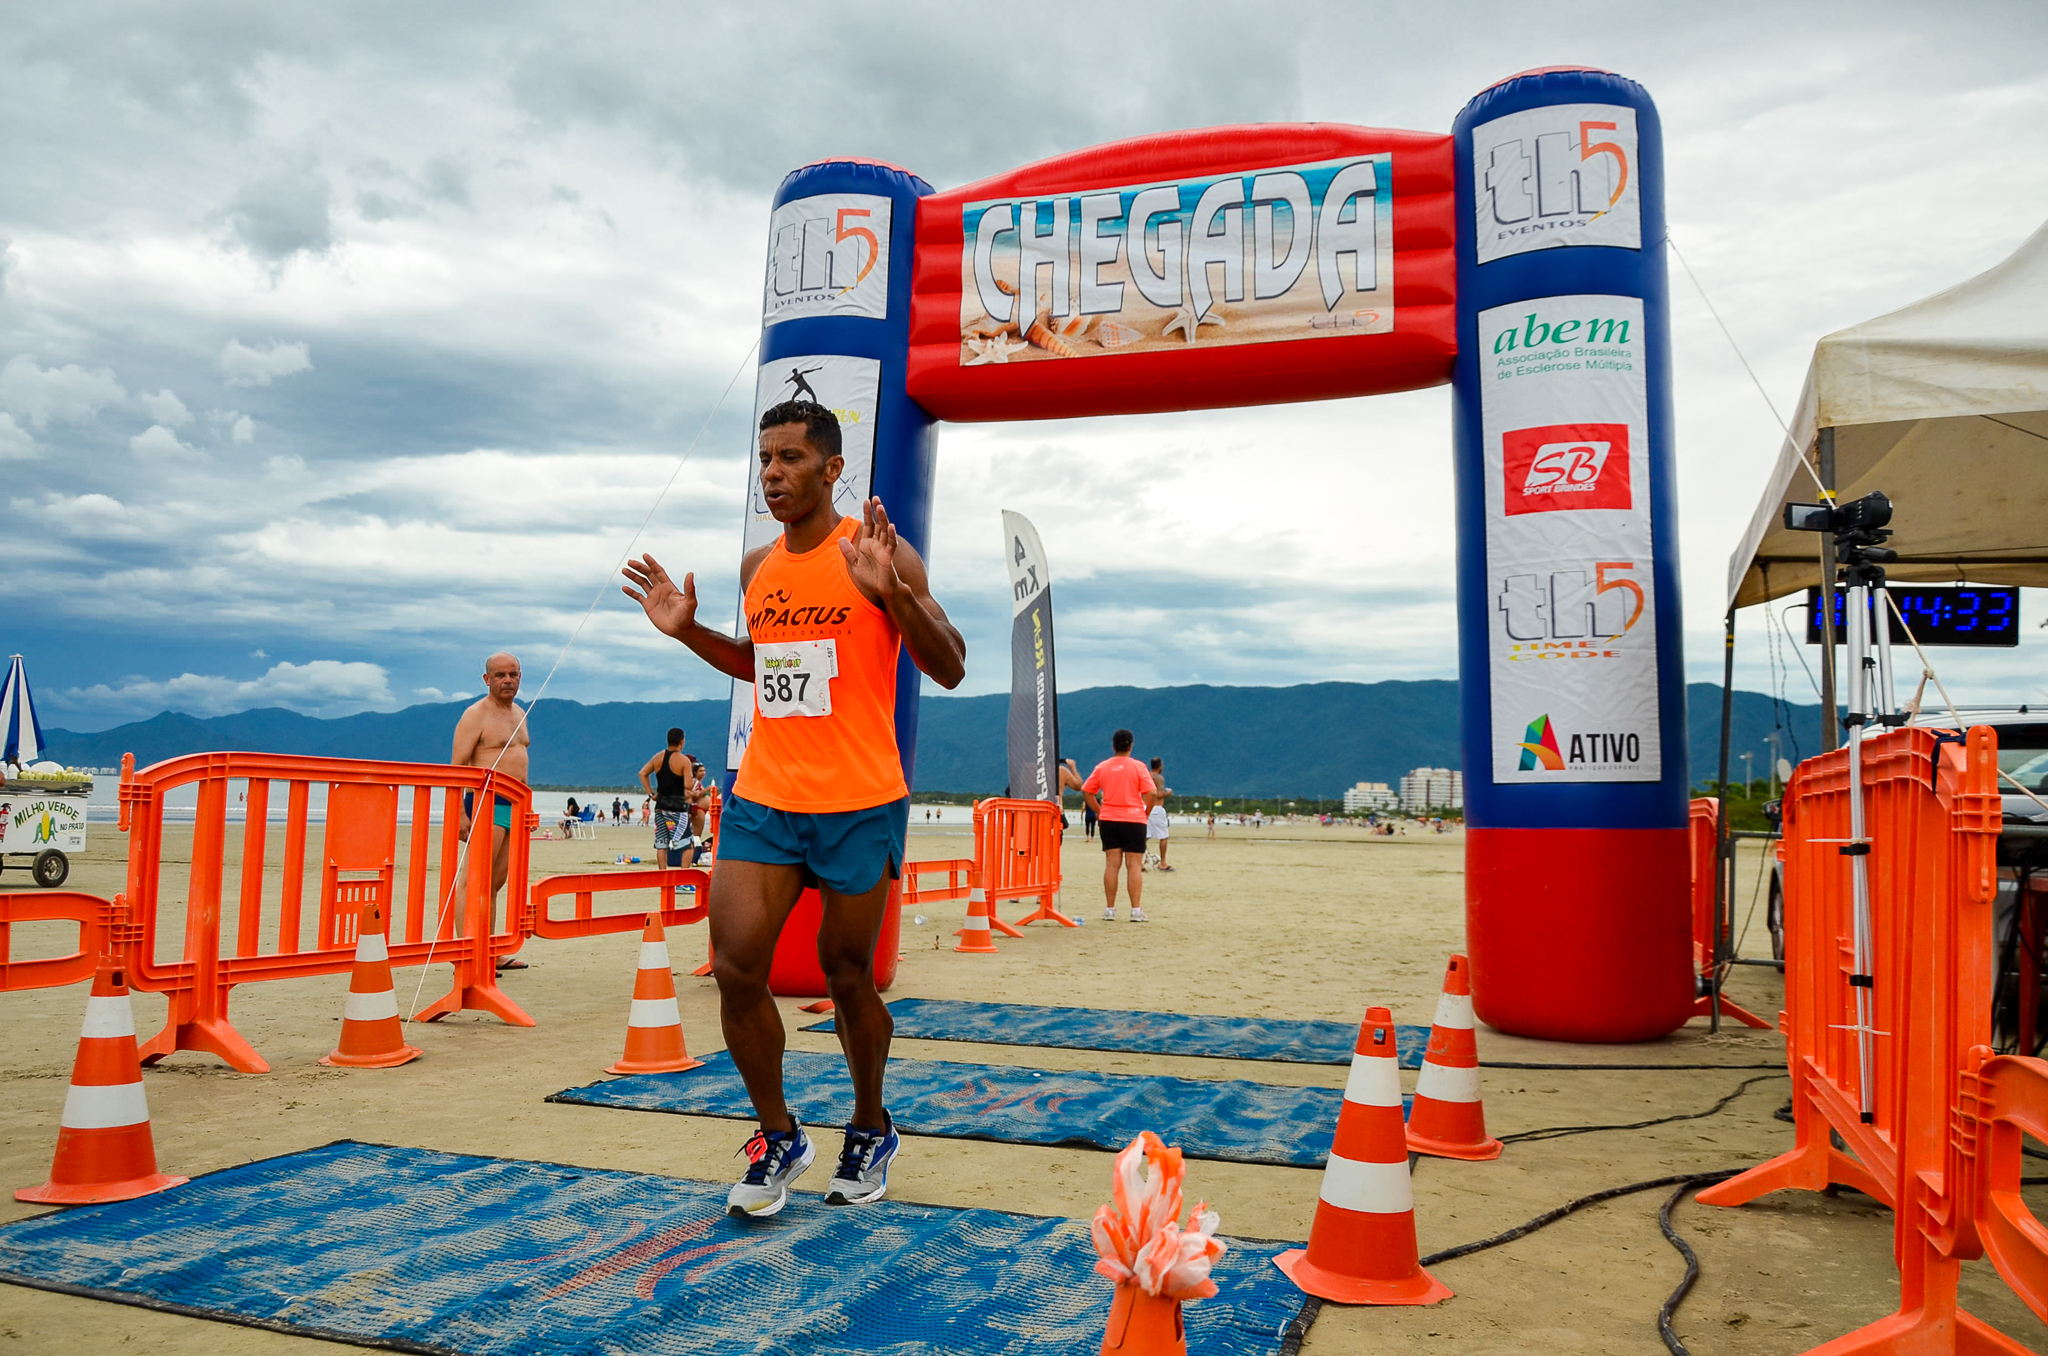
(21, 734)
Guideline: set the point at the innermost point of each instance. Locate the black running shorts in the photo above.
(1122, 836)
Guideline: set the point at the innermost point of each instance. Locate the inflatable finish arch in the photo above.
(1519, 258)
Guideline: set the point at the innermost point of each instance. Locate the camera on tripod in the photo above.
(1858, 526)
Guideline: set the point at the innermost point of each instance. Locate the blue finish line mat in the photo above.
(1139, 1033)
(1230, 1120)
(414, 1250)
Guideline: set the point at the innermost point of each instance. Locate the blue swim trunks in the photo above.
(846, 851)
(501, 809)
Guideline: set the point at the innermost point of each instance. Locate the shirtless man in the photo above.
(493, 734)
(820, 796)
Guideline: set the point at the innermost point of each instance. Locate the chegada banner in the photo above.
(1034, 727)
(1235, 266)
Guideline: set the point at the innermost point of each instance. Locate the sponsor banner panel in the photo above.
(32, 823)
(828, 255)
(1033, 732)
(1299, 251)
(1572, 647)
(1560, 175)
(850, 388)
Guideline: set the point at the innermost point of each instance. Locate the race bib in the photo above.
(794, 678)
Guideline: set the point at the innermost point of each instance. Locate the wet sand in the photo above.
(1293, 921)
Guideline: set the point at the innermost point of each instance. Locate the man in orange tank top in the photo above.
(820, 798)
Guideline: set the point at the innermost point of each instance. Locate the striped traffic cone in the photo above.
(974, 937)
(1361, 1249)
(371, 1036)
(104, 1149)
(1448, 1120)
(654, 1028)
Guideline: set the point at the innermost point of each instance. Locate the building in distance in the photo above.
(1433, 788)
(1370, 796)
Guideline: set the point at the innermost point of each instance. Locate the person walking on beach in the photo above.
(1070, 780)
(820, 796)
(673, 784)
(493, 733)
(1157, 830)
(1116, 791)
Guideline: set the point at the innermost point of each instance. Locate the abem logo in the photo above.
(1557, 467)
(1568, 616)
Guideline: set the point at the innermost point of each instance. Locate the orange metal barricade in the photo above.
(954, 869)
(1017, 848)
(585, 888)
(1932, 817)
(356, 853)
(1707, 968)
(95, 919)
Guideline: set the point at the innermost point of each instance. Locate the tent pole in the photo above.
(1723, 845)
(1830, 726)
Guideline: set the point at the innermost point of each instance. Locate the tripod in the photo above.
(1872, 700)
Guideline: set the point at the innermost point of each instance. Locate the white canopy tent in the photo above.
(1942, 405)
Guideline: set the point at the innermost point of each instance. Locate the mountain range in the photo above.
(1315, 739)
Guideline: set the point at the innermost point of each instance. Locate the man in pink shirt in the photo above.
(1116, 791)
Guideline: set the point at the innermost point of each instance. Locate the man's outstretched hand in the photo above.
(671, 609)
(871, 554)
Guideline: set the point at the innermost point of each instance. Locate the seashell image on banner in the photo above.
(1292, 252)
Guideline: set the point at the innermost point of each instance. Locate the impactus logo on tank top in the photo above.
(780, 609)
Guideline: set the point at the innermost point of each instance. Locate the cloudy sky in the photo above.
(342, 344)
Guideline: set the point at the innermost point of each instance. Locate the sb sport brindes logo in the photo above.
(1566, 466)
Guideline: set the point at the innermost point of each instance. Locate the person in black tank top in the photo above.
(671, 790)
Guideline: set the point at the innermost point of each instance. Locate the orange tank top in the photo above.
(824, 737)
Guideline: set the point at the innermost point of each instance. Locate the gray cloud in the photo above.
(242, 365)
(282, 213)
(66, 395)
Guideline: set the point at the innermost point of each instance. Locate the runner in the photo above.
(1157, 830)
(674, 783)
(820, 796)
(1116, 792)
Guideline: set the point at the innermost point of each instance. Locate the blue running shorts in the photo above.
(846, 851)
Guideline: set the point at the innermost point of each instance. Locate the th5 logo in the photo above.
(1566, 466)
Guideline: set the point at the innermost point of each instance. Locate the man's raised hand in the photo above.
(671, 609)
(871, 555)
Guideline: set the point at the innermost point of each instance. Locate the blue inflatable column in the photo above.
(1572, 678)
(835, 328)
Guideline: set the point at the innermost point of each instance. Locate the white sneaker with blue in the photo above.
(863, 1172)
(775, 1158)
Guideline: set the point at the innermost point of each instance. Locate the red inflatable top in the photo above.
(1190, 270)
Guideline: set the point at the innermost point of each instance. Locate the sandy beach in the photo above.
(1294, 921)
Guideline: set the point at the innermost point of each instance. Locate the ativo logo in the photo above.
(1562, 175)
(1566, 466)
(828, 255)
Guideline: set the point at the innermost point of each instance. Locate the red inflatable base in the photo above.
(795, 972)
(1580, 934)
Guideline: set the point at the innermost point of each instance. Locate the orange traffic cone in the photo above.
(654, 1028)
(1361, 1249)
(104, 1149)
(1448, 1120)
(974, 937)
(1143, 1325)
(371, 1036)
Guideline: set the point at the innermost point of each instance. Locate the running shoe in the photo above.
(1138, 916)
(774, 1160)
(863, 1172)
(1109, 915)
